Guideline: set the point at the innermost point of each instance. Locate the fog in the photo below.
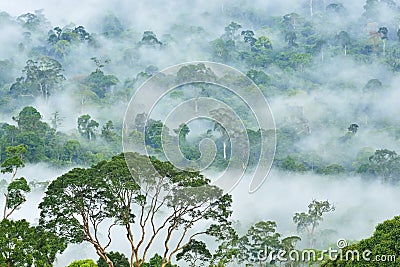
(329, 97)
(360, 204)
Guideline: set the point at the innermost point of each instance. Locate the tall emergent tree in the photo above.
(18, 187)
(86, 204)
(41, 77)
(87, 127)
(308, 222)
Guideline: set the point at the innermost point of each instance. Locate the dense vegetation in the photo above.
(329, 76)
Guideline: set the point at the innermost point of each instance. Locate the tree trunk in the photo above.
(5, 206)
(384, 47)
(46, 91)
(322, 54)
(311, 8)
(224, 150)
(345, 50)
(100, 251)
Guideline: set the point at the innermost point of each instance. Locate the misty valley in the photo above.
(166, 134)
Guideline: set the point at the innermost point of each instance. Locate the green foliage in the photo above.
(107, 132)
(157, 261)
(24, 245)
(84, 263)
(260, 236)
(195, 253)
(289, 164)
(42, 78)
(108, 192)
(18, 187)
(384, 163)
(29, 120)
(332, 169)
(100, 83)
(118, 259)
(258, 77)
(195, 72)
(382, 244)
(150, 39)
(308, 222)
(373, 84)
(14, 159)
(87, 126)
(16, 192)
(154, 130)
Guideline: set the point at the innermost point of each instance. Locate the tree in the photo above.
(199, 71)
(335, 8)
(78, 34)
(384, 163)
(87, 127)
(41, 77)
(140, 122)
(72, 149)
(150, 39)
(351, 131)
(384, 243)
(153, 133)
(33, 21)
(231, 30)
(248, 37)
(170, 203)
(373, 84)
(308, 222)
(353, 128)
(398, 34)
(219, 116)
(332, 169)
(289, 164)
(157, 261)
(262, 44)
(24, 245)
(290, 38)
(107, 132)
(258, 77)
(29, 120)
(262, 237)
(15, 195)
(384, 32)
(195, 253)
(117, 258)
(221, 49)
(288, 244)
(289, 22)
(182, 132)
(15, 247)
(83, 263)
(344, 40)
(77, 195)
(56, 120)
(98, 82)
